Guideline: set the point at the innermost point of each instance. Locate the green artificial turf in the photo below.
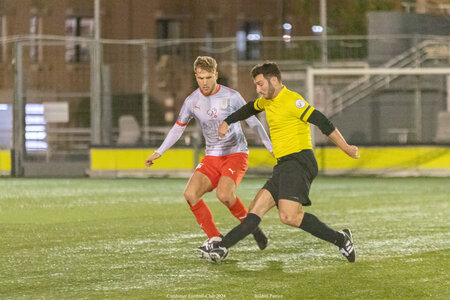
(135, 238)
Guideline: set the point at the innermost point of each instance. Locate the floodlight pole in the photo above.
(448, 93)
(234, 67)
(323, 23)
(96, 91)
(145, 92)
(18, 149)
(310, 95)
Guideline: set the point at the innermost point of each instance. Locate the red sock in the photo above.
(238, 210)
(205, 219)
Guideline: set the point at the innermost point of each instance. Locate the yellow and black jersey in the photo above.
(287, 116)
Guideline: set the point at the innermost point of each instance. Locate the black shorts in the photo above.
(292, 177)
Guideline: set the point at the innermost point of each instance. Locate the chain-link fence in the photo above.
(75, 93)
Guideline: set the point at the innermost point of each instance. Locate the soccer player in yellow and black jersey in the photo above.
(288, 116)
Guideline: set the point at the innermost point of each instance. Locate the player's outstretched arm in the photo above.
(327, 128)
(151, 158)
(339, 140)
(242, 113)
(172, 137)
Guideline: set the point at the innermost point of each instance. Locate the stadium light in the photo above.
(35, 135)
(317, 29)
(35, 120)
(287, 38)
(36, 145)
(287, 32)
(287, 26)
(34, 109)
(34, 128)
(253, 37)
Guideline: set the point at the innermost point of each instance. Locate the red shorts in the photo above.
(233, 165)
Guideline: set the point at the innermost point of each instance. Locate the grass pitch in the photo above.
(82, 238)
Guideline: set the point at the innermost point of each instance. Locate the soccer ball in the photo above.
(220, 253)
(207, 246)
(208, 243)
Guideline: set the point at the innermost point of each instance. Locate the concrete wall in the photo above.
(401, 23)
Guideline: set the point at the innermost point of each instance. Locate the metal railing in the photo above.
(366, 85)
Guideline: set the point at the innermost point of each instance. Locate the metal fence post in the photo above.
(18, 114)
(235, 67)
(96, 80)
(145, 103)
(95, 94)
(417, 93)
(324, 37)
(106, 106)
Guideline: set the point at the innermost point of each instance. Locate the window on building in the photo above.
(78, 27)
(35, 46)
(168, 29)
(249, 41)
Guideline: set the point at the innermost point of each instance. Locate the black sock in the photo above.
(257, 231)
(241, 231)
(314, 226)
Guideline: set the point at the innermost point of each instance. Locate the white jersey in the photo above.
(210, 111)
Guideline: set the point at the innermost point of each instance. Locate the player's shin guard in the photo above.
(205, 219)
(238, 210)
(241, 231)
(314, 226)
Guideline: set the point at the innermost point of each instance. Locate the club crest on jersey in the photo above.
(223, 103)
(212, 112)
(300, 103)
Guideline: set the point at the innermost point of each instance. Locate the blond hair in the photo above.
(206, 63)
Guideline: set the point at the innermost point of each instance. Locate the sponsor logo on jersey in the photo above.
(223, 103)
(300, 103)
(212, 112)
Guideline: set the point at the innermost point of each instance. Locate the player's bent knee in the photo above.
(225, 197)
(290, 219)
(191, 197)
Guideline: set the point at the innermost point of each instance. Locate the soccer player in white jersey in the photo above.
(226, 159)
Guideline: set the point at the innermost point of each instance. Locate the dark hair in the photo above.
(267, 69)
